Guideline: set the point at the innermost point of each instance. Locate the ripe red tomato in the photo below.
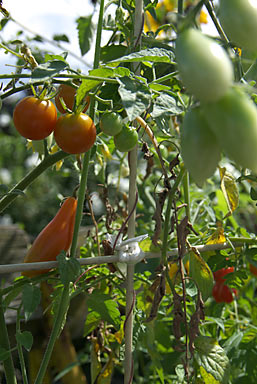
(75, 133)
(253, 269)
(33, 118)
(222, 293)
(218, 275)
(67, 93)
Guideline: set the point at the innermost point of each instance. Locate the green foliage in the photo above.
(180, 334)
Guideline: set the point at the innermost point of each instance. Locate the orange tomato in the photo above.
(54, 238)
(34, 119)
(68, 93)
(75, 133)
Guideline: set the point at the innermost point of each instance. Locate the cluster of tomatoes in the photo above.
(221, 292)
(125, 138)
(74, 133)
(36, 119)
(223, 117)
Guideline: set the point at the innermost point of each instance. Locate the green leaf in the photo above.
(153, 55)
(212, 358)
(49, 69)
(61, 37)
(4, 354)
(85, 31)
(25, 339)
(201, 274)
(31, 297)
(69, 268)
(135, 96)
(233, 341)
(105, 307)
(166, 105)
(61, 57)
(88, 84)
(251, 256)
(253, 193)
(92, 321)
(112, 52)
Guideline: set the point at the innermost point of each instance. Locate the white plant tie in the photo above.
(129, 251)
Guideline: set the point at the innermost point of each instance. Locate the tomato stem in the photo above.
(4, 342)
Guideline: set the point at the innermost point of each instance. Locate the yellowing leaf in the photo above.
(230, 190)
(201, 274)
(217, 237)
(173, 269)
(207, 377)
(53, 150)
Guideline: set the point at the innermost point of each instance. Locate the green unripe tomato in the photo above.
(126, 139)
(111, 123)
(204, 66)
(200, 149)
(233, 119)
(239, 21)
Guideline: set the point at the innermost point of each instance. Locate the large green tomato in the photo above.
(200, 149)
(234, 121)
(126, 139)
(204, 65)
(239, 21)
(111, 123)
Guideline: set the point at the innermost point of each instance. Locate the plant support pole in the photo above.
(130, 294)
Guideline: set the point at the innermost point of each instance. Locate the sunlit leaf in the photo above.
(230, 190)
(201, 274)
(212, 358)
(154, 55)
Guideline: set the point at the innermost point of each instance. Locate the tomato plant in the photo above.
(34, 119)
(75, 133)
(233, 119)
(204, 66)
(111, 123)
(126, 139)
(67, 93)
(54, 238)
(239, 21)
(200, 149)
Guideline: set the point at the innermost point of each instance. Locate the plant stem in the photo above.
(20, 351)
(64, 302)
(215, 21)
(30, 177)
(4, 343)
(186, 194)
(81, 198)
(130, 294)
(58, 322)
(180, 7)
(168, 215)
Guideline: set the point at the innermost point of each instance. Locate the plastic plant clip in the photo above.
(129, 251)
